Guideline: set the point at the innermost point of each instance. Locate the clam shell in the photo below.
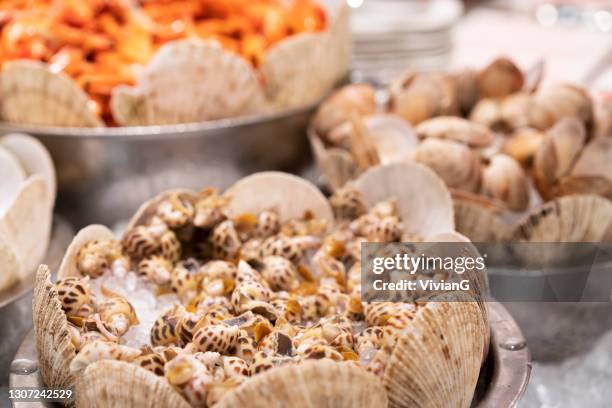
(90, 233)
(500, 78)
(10, 268)
(53, 341)
(189, 81)
(557, 153)
(595, 159)
(504, 179)
(339, 44)
(289, 195)
(112, 383)
(13, 175)
(479, 221)
(27, 222)
(392, 136)
(336, 165)
(458, 165)
(455, 128)
(575, 218)
(316, 383)
(437, 362)
(599, 185)
(424, 202)
(148, 209)
(33, 157)
(32, 94)
(295, 71)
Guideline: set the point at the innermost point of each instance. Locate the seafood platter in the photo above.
(525, 163)
(134, 97)
(252, 297)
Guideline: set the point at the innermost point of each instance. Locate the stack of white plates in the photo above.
(391, 36)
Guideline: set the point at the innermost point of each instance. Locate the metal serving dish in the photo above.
(16, 301)
(104, 174)
(555, 329)
(503, 378)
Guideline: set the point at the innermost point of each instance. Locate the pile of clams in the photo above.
(263, 304)
(502, 143)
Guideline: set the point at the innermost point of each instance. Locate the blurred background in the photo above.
(573, 37)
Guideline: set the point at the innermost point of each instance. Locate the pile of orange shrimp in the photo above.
(105, 43)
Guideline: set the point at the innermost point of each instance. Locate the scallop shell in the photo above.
(10, 268)
(295, 71)
(437, 362)
(320, 384)
(595, 159)
(458, 129)
(189, 81)
(424, 202)
(13, 175)
(112, 383)
(339, 44)
(576, 218)
(90, 233)
(33, 157)
(290, 196)
(27, 222)
(53, 339)
(32, 94)
(480, 221)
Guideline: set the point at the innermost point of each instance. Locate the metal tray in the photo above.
(503, 378)
(104, 174)
(16, 301)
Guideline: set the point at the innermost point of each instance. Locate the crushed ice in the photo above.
(141, 294)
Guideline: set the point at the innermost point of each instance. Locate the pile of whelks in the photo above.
(268, 307)
(501, 142)
(27, 196)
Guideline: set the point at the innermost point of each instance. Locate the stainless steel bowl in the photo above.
(104, 174)
(503, 378)
(16, 301)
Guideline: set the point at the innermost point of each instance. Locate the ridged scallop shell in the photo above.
(13, 176)
(436, 362)
(320, 383)
(26, 223)
(270, 191)
(32, 94)
(53, 339)
(290, 83)
(33, 158)
(575, 218)
(120, 384)
(88, 234)
(424, 203)
(480, 222)
(10, 269)
(187, 81)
